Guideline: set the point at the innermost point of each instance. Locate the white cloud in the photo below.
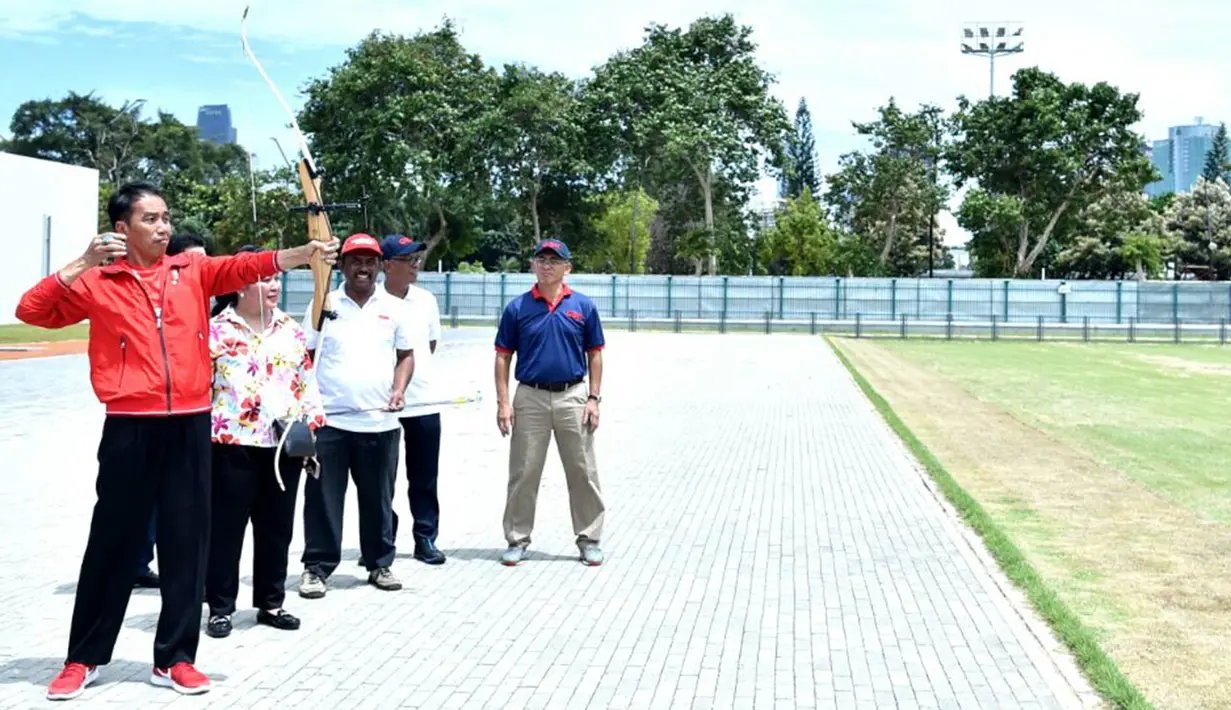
(213, 59)
(846, 59)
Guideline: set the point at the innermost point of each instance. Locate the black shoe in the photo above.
(283, 619)
(146, 579)
(218, 627)
(426, 551)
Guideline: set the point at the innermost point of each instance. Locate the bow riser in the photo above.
(318, 230)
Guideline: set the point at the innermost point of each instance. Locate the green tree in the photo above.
(406, 120)
(1218, 160)
(1115, 236)
(1159, 204)
(468, 267)
(537, 135)
(889, 194)
(613, 226)
(1198, 225)
(275, 226)
(1042, 154)
(695, 98)
(171, 151)
(81, 130)
(1144, 251)
(799, 243)
(800, 169)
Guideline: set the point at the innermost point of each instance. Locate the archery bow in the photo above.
(319, 229)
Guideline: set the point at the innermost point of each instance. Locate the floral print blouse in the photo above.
(259, 378)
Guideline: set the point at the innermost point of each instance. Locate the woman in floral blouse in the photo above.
(261, 373)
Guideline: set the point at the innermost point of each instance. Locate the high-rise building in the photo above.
(1180, 158)
(214, 124)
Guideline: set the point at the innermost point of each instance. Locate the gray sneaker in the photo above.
(383, 579)
(591, 554)
(311, 586)
(513, 556)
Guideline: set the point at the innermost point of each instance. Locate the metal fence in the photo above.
(751, 300)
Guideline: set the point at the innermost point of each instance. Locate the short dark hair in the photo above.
(184, 241)
(230, 299)
(120, 206)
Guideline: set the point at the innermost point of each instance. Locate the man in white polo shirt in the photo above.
(363, 363)
(420, 424)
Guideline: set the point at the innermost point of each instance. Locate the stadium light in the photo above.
(991, 40)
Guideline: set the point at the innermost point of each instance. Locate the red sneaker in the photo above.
(182, 677)
(72, 681)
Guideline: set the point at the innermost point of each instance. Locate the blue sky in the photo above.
(844, 59)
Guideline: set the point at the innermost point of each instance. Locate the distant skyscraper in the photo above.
(214, 124)
(1181, 157)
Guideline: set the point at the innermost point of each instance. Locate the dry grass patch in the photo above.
(1187, 367)
(1151, 577)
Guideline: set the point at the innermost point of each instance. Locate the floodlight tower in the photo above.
(991, 40)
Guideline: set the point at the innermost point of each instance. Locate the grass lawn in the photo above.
(22, 333)
(1157, 413)
(1104, 466)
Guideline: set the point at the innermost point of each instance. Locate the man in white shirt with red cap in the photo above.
(364, 360)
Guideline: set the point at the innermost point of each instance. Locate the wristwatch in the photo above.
(597, 399)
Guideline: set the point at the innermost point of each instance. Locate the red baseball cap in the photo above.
(361, 242)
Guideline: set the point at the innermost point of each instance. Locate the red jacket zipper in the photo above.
(162, 338)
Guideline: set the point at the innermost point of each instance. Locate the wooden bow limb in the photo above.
(319, 230)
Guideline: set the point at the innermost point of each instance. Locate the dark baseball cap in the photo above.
(553, 245)
(396, 245)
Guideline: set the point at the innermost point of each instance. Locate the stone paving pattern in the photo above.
(770, 545)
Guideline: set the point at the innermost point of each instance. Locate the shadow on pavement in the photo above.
(493, 554)
(39, 672)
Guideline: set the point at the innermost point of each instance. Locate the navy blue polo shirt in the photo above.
(551, 340)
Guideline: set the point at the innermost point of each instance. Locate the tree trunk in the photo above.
(440, 232)
(1026, 262)
(706, 180)
(893, 228)
(534, 213)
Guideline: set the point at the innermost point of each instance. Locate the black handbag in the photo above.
(300, 442)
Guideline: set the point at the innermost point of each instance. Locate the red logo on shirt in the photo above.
(574, 315)
(383, 317)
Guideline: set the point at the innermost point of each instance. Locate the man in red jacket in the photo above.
(150, 366)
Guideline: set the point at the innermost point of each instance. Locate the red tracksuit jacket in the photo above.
(149, 333)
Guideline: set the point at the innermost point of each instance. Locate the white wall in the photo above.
(31, 189)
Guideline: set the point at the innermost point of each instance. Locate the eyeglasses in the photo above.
(412, 260)
(545, 261)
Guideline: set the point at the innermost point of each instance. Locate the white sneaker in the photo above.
(311, 586)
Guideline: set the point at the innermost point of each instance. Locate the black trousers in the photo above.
(147, 552)
(143, 462)
(422, 437)
(371, 459)
(245, 489)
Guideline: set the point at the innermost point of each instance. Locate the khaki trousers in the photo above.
(537, 414)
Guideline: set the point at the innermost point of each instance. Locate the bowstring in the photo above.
(319, 327)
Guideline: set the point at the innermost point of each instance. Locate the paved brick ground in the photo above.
(770, 546)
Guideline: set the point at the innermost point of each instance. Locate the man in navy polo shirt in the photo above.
(557, 336)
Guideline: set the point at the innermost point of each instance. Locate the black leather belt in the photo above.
(554, 386)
